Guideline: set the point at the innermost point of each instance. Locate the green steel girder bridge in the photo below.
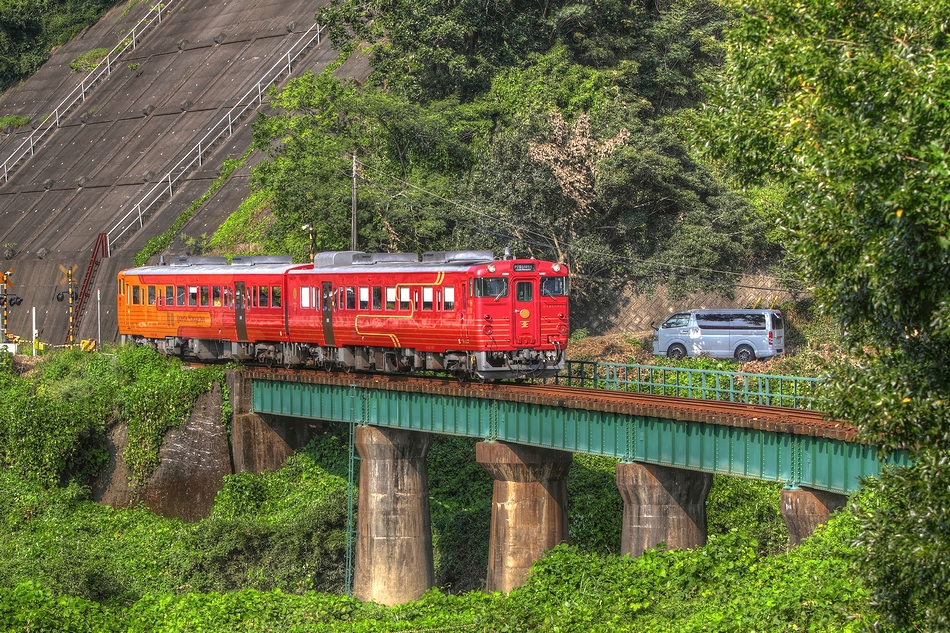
(714, 422)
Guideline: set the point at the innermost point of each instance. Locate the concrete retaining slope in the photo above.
(133, 127)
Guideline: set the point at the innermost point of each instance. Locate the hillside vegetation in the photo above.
(30, 29)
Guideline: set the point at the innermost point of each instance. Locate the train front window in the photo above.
(524, 291)
(495, 287)
(554, 287)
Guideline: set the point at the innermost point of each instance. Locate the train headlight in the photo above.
(488, 330)
(491, 268)
(556, 268)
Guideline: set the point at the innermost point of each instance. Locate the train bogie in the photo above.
(460, 311)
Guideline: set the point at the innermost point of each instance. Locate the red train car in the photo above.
(459, 311)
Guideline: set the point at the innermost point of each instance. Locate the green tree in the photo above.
(405, 152)
(847, 103)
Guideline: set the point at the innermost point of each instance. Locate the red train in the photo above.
(459, 311)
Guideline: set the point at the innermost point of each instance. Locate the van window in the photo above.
(677, 320)
(777, 322)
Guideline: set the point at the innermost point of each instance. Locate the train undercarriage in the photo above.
(482, 365)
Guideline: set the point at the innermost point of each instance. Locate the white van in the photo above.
(740, 334)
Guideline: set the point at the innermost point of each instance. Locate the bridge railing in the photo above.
(779, 391)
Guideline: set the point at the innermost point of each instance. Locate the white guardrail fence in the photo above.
(135, 218)
(78, 95)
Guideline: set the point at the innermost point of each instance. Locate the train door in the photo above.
(240, 322)
(526, 320)
(327, 308)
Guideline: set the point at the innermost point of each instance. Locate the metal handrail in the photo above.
(796, 392)
(222, 127)
(104, 67)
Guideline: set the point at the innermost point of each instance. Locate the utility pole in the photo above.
(353, 213)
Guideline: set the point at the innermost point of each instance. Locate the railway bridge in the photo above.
(668, 448)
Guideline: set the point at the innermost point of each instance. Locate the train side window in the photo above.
(524, 291)
(151, 295)
(204, 296)
(315, 294)
(122, 286)
(449, 298)
(305, 297)
(262, 298)
(404, 298)
(169, 295)
(364, 297)
(216, 296)
(180, 294)
(427, 298)
(226, 296)
(192, 295)
(275, 296)
(350, 298)
(390, 298)
(377, 298)
(136, 295)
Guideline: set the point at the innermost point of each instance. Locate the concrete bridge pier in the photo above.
(662, 505)
(393, 562)
(529, 508)
(804, 509)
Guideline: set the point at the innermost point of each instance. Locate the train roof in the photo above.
(332, 261)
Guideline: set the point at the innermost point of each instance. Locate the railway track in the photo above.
(738, 414)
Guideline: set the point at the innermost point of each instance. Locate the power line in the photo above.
(570, 249)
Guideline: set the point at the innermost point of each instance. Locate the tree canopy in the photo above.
(847, 103)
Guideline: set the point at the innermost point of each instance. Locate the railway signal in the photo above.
(7, 301)
(68, 279)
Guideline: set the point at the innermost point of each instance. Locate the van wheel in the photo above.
(676, 352)
(744, 354)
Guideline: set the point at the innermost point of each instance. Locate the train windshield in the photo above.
(496, 287)
(554, 287)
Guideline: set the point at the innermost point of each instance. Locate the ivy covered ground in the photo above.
(271, 555)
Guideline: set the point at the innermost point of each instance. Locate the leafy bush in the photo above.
(88, 60)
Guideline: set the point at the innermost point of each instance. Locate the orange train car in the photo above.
(464, 312)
